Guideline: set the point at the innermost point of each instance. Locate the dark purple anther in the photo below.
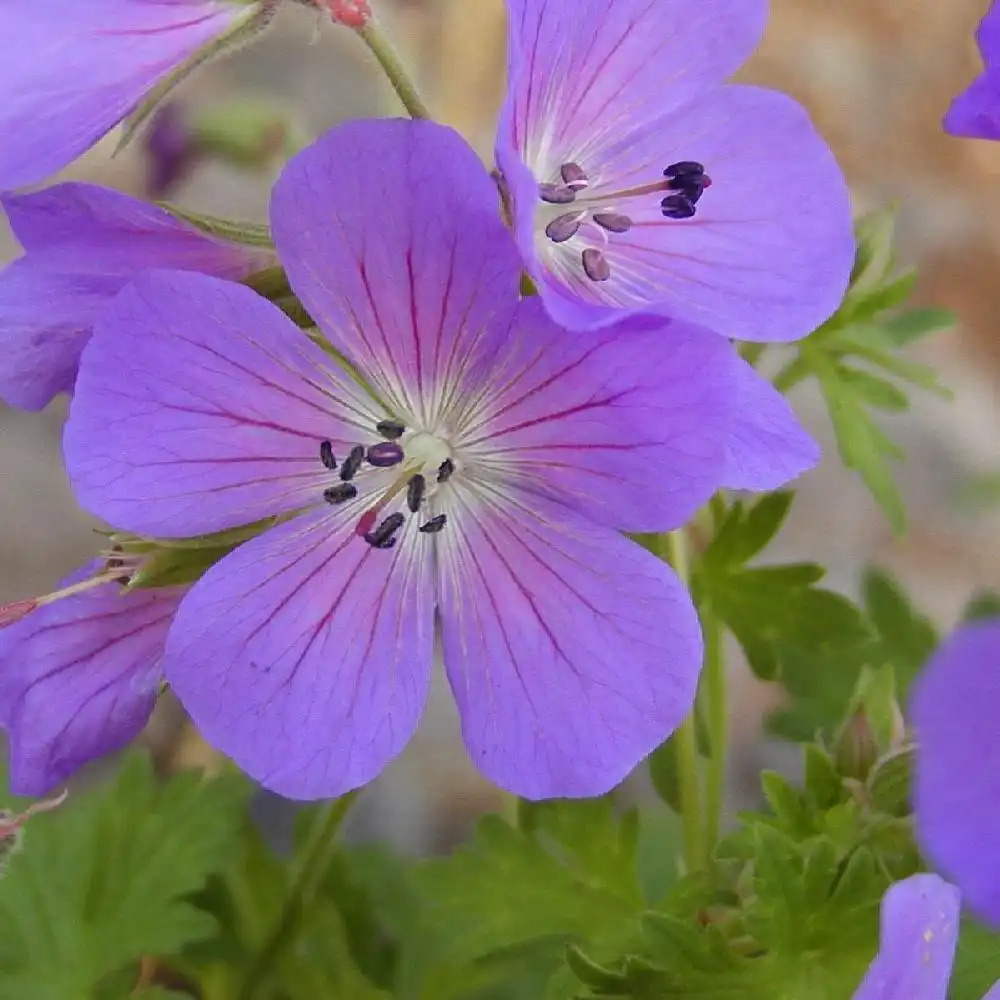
(445, 470)
(595, 265)
(677, 206)
(391, 430)
(574, 176)
(381, 537)
(564, 227)
(613, 222)
(684, 168)
(340, 493)
(385, 454)
(326, 455)
(434, 525)
(415, 492)
(352, 463)
(554, 194)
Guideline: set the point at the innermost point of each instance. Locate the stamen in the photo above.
(434, 525)
(326, 455)
(391, 430)
(385, 454)
(382, 536)
(595, 265)
(574, 177)
(553, 194)
(613, 222)
(445, 470)
(564, 227)
(352, 463)
(684, 168)
(678, 206)
(415, 492)
(340, 493)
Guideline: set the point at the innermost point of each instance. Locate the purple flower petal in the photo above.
(84, 244)
(919, 935)
(768, 447)
(580, 70)
(201, 407)
(572, 652)
(391, 236)
(70, 70)
(767, 256)
(976, 112)
(629, 425)
(79, 678)
(305, 655)
(955, 706)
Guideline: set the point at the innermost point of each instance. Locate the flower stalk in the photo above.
(384, 51)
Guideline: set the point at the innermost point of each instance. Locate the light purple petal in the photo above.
(767, 256)
(305, 655)
(572, 652)
(79, 678)
(391, 236)
(768, 447)
(84, 244)
(919, 934)
(70, 70)
(628, 424)
(976, 112)
(581, 72)
(955, 707)
(200, 407)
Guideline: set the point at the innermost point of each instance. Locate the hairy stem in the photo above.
(717, 712)
(378, 41)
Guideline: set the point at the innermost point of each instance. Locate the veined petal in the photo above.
(71, 70)
(975, 113)
(201, 407)
(391, 236)
(305, 655)
(919, 935)
(954, 708)
(79, 678)
(768, 255)
(583, 71)
(84, 244)
(768, 446)
(628, 424)
(572, 652)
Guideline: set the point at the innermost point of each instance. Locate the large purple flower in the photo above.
(79, 678)
(83, 245)
(955, 708)
(919, 935)
(638, 181)
(70, 70)
(976, 111)
(470, 486)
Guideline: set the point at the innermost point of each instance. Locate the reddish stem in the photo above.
(352, 13)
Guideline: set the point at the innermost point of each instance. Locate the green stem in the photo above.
(675, 550)
(378, 41)
(320, 847)
(717, 703)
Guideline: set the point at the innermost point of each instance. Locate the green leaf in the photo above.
(977, 964)
(985, 604)
(747, 530)
(106, 879)
(916, 324)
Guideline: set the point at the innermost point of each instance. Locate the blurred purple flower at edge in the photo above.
(480, 484)
(975, 113)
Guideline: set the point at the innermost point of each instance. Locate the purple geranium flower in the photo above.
(79, 678)
(638, 181)
(976, 111)
(919, 935)
(955, 707)
(472, 487)
(83, 245)
(70, 70)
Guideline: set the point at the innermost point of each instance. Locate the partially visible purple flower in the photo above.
(638, 181)
(475, 492)
(83, 245)
(171, 150)
(955, 709)
(70, 70)
(976, 112)
(79, 678)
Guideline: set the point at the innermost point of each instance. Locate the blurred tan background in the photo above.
(877, 76)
